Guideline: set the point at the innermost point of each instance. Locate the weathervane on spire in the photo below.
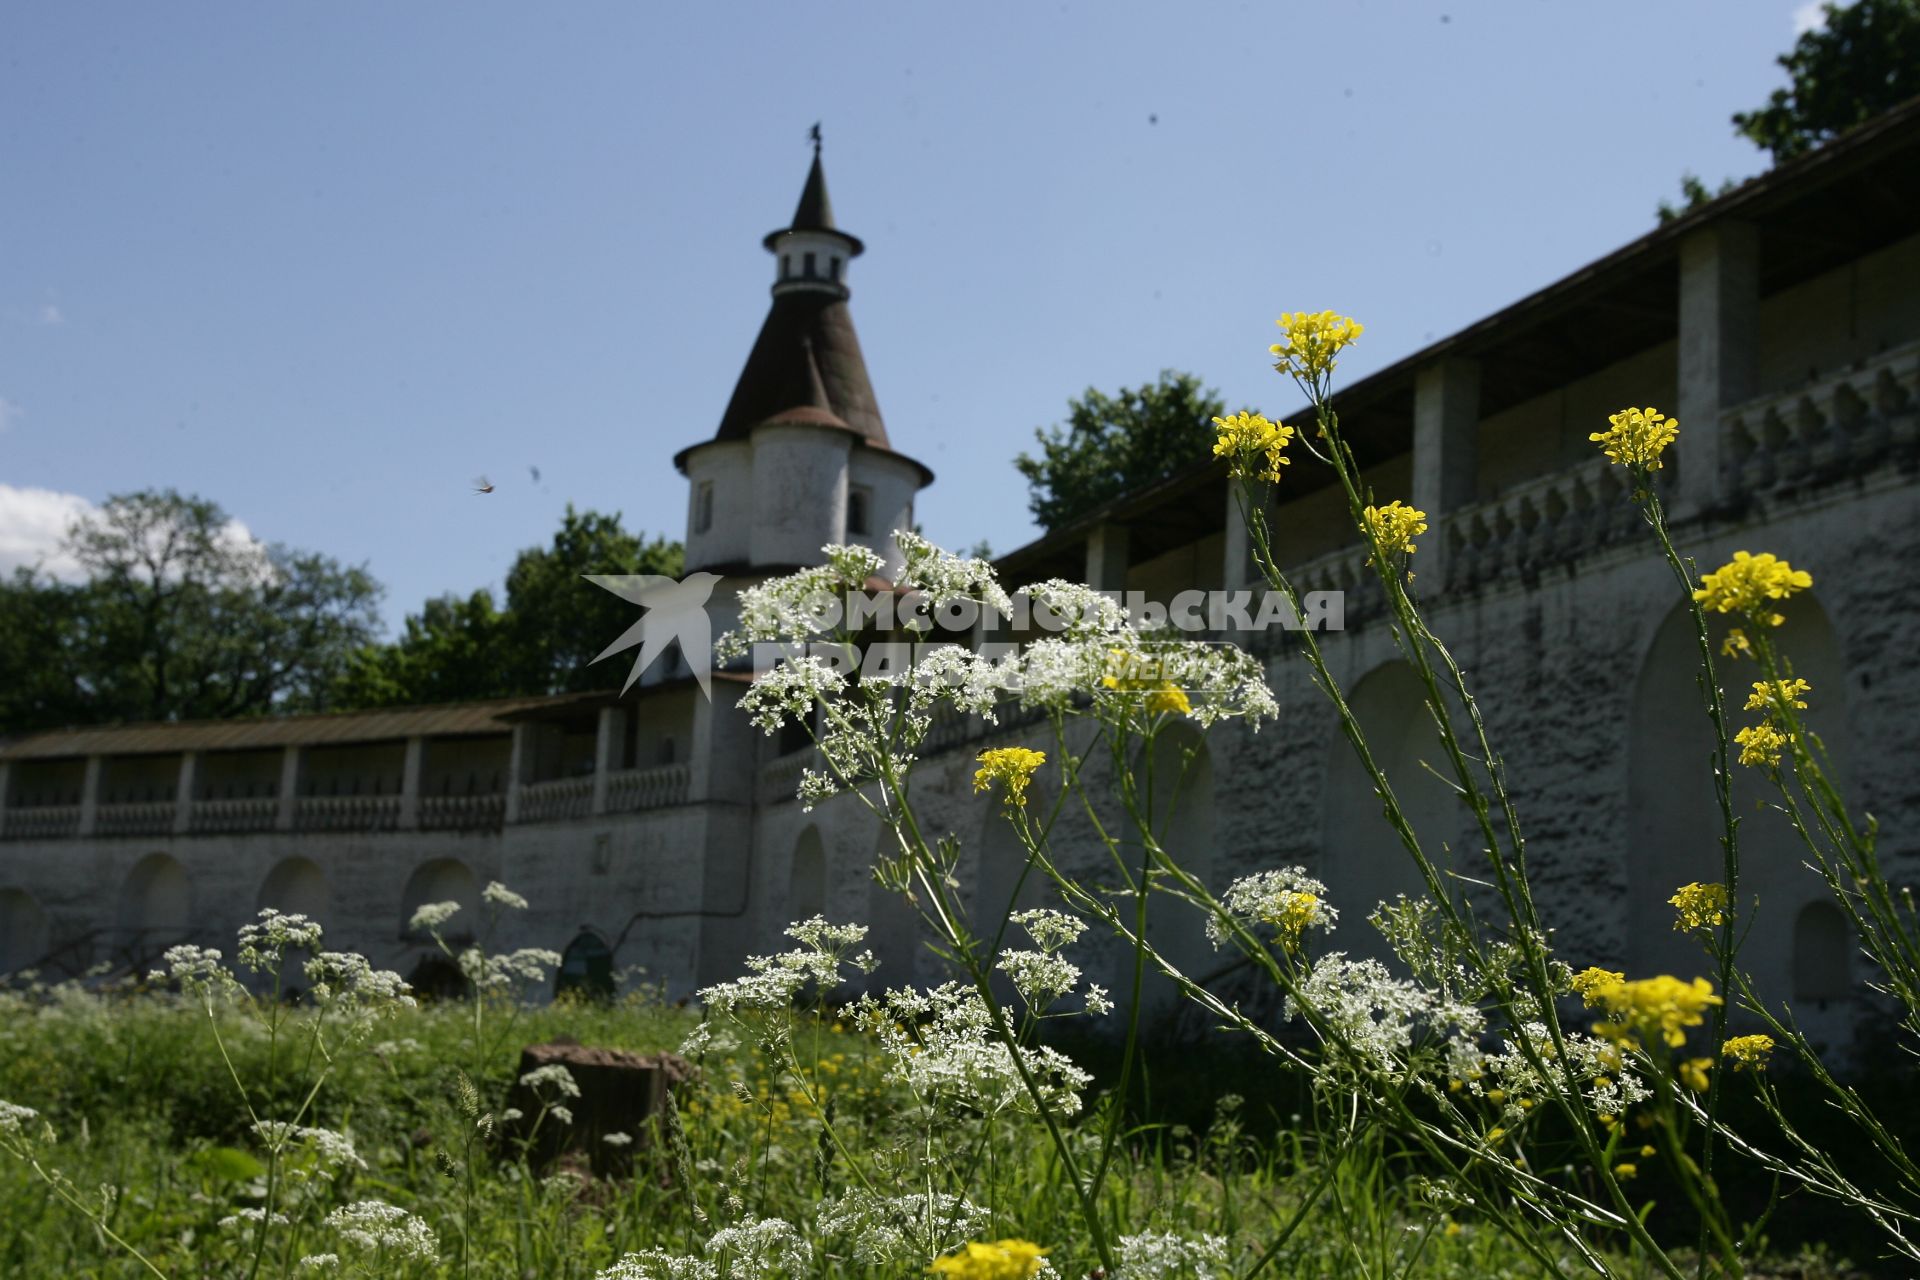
(814, 133)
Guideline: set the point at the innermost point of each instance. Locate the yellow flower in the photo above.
(1701, 906)
(1649, 1007)
(1245, 438)
(1746, 583)
(1170, 698)
(1291, 912)
(1589, 982)
(1768, 694)
(999, 1260)
(1693, 1073)
(1647, 1152)
(1395, 525)
(1760, 745)
(1625, 1170)
(1012, 767)
(1313, 340)
(1736, 645)
(1494, 1135)
(1129, 672)
(1636, 437)
(1748, 1051)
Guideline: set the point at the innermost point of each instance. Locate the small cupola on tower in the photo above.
(811, 252)
(801, 457)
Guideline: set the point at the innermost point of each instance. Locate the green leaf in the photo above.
(228, 1164)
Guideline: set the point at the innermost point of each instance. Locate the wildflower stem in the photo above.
(899, 814)
(1726, 943)
(58, 1184)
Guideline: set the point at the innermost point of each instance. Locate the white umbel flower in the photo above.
(388, 1231)
(501, 896)
(429, 916)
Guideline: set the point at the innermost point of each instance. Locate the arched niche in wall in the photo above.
(1673, 820)
(441, 880)
(1364, 861)
(1175, 785)
(156, 907)
(586, 968)
(296, 886)
(436, 976)
(807, 877)
(24, 933)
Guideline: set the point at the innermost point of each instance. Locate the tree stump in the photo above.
(620, 1093)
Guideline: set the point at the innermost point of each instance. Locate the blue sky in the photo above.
(327, 263)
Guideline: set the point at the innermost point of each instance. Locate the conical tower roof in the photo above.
(806, 366)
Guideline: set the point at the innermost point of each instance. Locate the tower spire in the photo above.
(806, 365)
(812, 218)
(801, 456)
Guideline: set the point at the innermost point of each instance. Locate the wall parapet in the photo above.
(347, 813)
(152, 818)
(559, 800)
(1835, 427)
(483, 812)
(42, 822)
(633, 790)
(232, 817)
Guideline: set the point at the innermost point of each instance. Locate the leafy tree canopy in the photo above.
(1863, 59)
(180, 617)
(542, 641)
(1693, 194)
(1112, 444)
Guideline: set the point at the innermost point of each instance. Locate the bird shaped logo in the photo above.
(676, 610)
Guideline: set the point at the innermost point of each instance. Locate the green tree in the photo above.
(1694, 193)
(1861, 60)
(1110, 445)
(42, 625)
(180, 617)
(448, 652)
(557, 621)
(543, 641)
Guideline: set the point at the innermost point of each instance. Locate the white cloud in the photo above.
(1811, 16)
(33, 523)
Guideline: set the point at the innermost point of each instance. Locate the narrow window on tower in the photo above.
(859, 500)
(786, 265)
(833, 268)
(807, 266)
(703, 507)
